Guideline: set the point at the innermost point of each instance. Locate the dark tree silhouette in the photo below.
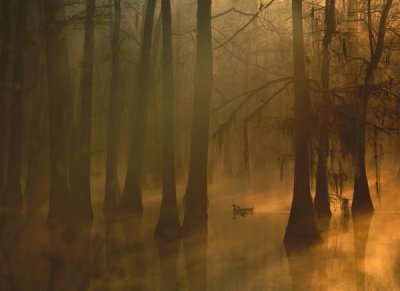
(36, 187)
(168, 223)
(112, 183)
(61, 207)
(60, 204)
(112, 188)
(196, 191)
(4, 63)
(302, 226)
(362, 197)
(85, 133)
(321, 201)
(68, 222)
(131, 200)
(12, 196)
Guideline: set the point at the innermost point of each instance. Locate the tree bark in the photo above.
(321, 201)
(36, 187)
(302, 227)
(4, 63)
(85, 133)
(112, 187)
(69, 225)
(112, 183)
(362, 201)
(131, 200)
(61, 207)
(12, 196)
(196, 191)
(168, 223)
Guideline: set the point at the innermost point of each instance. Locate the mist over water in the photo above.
(237, 253)
(199, 145)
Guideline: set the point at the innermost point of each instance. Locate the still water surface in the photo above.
(237, 253)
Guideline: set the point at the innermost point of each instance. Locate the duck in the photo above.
(237, 210)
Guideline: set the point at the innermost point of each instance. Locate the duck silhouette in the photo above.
(237, 210)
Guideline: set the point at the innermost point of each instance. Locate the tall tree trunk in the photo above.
(85, 133)
(12, 196)
(4, 63)
(196, 191)
(153, 149)
(168, 223)
(36, 187)
(69, 224)
(301, 228)
(362, 201)
(321, 201)
(131, 200)
(37, 175)
(61, 202)
(112, 190)
(71, 120)
(181, 140)
(112, 183)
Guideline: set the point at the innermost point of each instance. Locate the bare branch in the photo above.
(251, 92)
(247, 24)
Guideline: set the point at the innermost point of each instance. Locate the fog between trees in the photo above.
(180, 96)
